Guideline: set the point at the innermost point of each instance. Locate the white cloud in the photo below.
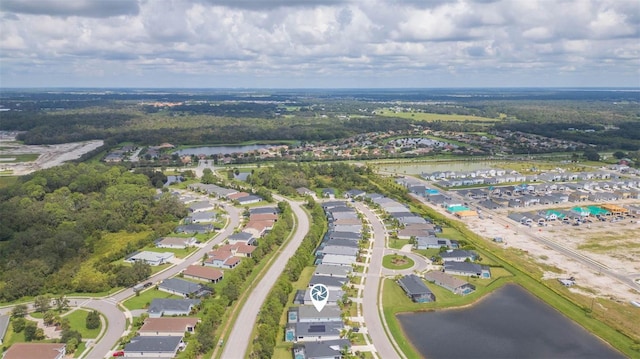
(360, 42)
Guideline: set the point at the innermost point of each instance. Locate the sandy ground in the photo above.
(624, 259)
(50, 155)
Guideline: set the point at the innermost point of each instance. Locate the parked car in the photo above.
(119, 353)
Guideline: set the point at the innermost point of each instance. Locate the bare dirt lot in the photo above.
(49, 155)
(615, 246)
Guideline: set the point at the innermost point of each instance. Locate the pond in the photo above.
(509, 323)
(219, 150)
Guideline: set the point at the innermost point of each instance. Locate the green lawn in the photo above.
(77, 320)
(24, 157)
(396, 261)
(397, 243)
(179, 253)
(434, 116)
(143, 300)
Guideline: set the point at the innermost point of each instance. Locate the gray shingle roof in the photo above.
(414, 285)
(160, 305)
(153, 344)
(180, 286)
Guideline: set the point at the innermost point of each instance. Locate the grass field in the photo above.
(143, 300)
(179, 253)
(77, 320)
(434, 116)
(396, 261)
(25, 157)
(6, 181)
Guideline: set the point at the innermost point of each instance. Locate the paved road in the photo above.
(587, 261)
(117, 319)
(372, 310)
(237, 342)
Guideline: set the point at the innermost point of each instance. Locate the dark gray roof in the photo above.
(153, 344)
(318, 328)
(345, 235)
(160, 305)
(342, 242)
(180, 286)
(327, 269)
(249, 198)
(414, 285)
(327, 280)
(463, 267)
(326, 349)
(193, 228)
(457, 253)
(241, 236)
(264, 210)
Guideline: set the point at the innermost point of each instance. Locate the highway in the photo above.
(237, 343)
(371, 308)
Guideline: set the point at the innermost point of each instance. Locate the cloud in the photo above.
(394, 43)
(85, 8)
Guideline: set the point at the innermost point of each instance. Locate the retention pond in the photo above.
(509, 323)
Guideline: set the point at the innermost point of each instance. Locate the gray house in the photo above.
(467, 269)
(329, 349)
(432, 242)
(313, 331)
(171, 307)
(453, 284)
(309, 314)
(154, 346)
(330, 282)
(333, 271)
(457, 255)
(415, 289)
(183, 287)
(4, 324)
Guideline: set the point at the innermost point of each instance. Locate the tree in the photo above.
(61, 303)
(591, 155)
(49, 317)
(30, 331)
(93, 320)
(19, 311)
(19, 324)
(42, 303)
(619, 155)
(72, 345)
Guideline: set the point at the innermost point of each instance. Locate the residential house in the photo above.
(430, 242)
(176, 242)
(249, 200)
(201, 217)
(334, 297)
(194, 228)
(203, 273)
(332, 283)
(329, 193)
(153, 347)
(151, 258)
(201, 206)
(36, 351)
(309, 314)
(354, 194)
(263, 210)
(171, 307)
(4, 324)
(242, 237)
(339, 260)
(415, 289)
(457, 255)
(333, 270)
(168, 326)
(338, 250)
(329, 349)
(183, 287)
(314, 331)
(304, 191)
(453, 284)
(467, 269)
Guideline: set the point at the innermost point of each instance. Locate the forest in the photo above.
(208, 117)
(56, 223)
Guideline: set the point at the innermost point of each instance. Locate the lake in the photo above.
(509, 323)
(220, 150)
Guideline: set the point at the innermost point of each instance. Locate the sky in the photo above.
(319, 43)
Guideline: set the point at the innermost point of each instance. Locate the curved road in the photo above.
(371, 309)
(117, 319)
(236, 344)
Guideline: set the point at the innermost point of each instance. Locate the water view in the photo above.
(219, 150)
(510, 323)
